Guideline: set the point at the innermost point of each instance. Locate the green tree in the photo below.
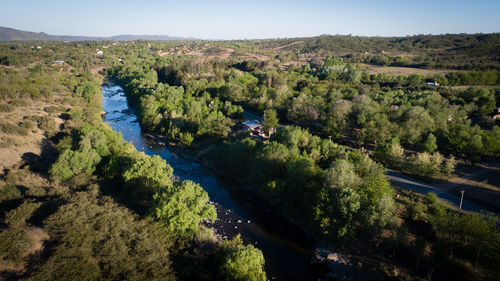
(182, 207)
(94, 139)
(242, 263)
(429, 144)
(71, 163)
(270, 120)
(449, 166)
(149, 173)
(339, 202)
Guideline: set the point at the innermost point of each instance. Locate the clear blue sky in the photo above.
(212, 19)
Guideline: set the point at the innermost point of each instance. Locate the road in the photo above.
(419, 187)
(406, 182)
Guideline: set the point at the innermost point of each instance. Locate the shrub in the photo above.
(186, 138)
(427, 165)
(21, 214)
(449, 166)
(6, 142)
(415, 211)
(101, 240)
(64, 143)
(53, 109)
(28, 125)
(19, 103)
(12, 129)
(47, 124)
(9, 192)
(14, 243)
(6, 108)
(71, 163)
(242, 263)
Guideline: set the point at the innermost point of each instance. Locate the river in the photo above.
(287, 250)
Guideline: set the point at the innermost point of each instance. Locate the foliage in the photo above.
(10, 128)
(20, 215)
(270, 120)
(149, 173)
(429, 145)
(182, 206)
(9, 192)
(100, 240)
(71, 163)
(13, 245)
(242, 262)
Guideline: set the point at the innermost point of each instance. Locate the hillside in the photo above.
(11, 34)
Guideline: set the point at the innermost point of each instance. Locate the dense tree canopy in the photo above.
(182, 207)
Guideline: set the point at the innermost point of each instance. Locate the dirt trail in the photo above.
(287, 45)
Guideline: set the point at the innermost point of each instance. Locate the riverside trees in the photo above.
(316, 182)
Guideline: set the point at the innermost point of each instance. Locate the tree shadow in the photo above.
(41, 163)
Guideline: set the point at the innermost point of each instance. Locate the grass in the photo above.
(4, 107)
(12, 129)
(52, 109)
(405, 71)
(45, 123)
(18, 102)
(6, 142)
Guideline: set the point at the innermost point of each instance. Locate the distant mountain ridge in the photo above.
(11, 34)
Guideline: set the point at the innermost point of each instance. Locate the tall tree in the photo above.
(270, 119)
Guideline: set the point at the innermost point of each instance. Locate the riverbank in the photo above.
(287, 249)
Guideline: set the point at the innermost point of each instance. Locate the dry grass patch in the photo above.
(405, 71)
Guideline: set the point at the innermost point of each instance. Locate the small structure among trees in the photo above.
(254, 126)
(264, 129)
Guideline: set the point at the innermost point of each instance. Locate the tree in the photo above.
(242, 263)
(270, 120)
(149, 173)
(337, 119)
(94, 139)
(426, 164)
(429, 144)
(390, 152)
(71, 163)
(339, 201)
(181, 207)
(449, 166)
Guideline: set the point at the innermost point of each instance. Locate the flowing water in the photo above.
(287, 250)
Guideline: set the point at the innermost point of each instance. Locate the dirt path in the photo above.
(287, 45)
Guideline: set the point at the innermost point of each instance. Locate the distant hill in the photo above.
(11, 34)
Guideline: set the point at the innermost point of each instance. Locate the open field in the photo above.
(395, 70)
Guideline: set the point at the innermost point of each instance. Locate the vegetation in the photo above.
(241, 262)
(182, 206)
(91, 205)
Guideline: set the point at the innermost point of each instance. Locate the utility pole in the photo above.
(461, 199)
